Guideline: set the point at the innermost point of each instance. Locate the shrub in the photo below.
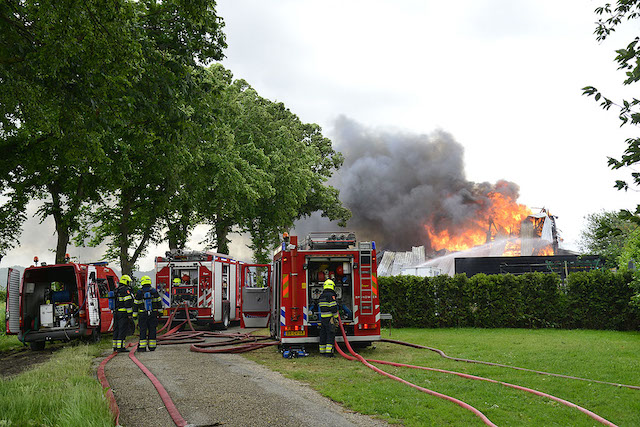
(598, 299)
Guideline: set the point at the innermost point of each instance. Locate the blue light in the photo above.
(373, 245)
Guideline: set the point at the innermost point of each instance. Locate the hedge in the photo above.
(593, 300)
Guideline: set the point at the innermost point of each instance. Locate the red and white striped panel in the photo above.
(205, 298)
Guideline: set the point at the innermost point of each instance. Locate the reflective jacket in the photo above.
(328, 304)
(155, 300)
(124, 299)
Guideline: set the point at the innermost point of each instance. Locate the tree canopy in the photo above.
(606, 234)
(116, 118)
(628, 60)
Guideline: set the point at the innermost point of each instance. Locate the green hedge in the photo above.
(593, 300)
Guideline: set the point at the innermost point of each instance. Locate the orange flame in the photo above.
(502, 217)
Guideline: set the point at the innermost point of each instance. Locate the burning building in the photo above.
(410, 190)
(515, 232)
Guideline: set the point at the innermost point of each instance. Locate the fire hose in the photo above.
(236, 343)
(367, 362)
(457, 359)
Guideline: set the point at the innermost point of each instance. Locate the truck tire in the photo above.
(95, 336)
(226, 319)
(37, 345)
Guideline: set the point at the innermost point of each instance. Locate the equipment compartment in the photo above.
(50, 298)
(340, 271)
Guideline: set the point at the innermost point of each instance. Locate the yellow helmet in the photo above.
(177, 280)
(328, 284)
(125, 279)
(145, 280)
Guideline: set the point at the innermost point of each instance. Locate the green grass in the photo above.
(61, 392)
(598, 355)
(7, 342)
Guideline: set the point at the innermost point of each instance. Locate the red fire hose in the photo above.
(168, 403)
(105, 385)
(426, 390)
(457, 359)
(236, 343)
(468, 376)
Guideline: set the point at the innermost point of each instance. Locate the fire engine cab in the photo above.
(299, 271)
(206, 282)
(59, 302)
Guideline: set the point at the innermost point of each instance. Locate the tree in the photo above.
(628, 60)
(83, 80)
(606, 234)
(157, 140)
(285, 165)
(262, 167)
(57, 99)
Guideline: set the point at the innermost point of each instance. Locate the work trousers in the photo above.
(120, 329)
(147, 324)
(327, 335)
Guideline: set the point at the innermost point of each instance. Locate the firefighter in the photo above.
(328, 318)
(123, 310)
(147, 307)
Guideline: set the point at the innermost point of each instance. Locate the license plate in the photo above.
(293, 333)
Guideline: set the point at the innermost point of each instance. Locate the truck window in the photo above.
(103, 287)
(111, 283)
(225, 281)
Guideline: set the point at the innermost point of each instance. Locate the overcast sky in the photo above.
(502, 77)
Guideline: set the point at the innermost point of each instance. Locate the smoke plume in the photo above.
(396, 183)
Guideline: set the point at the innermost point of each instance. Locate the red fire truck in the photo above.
(299, 273)
(211, 285)
(59, 302)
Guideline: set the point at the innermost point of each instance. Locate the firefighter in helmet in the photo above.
(147, 306)
(328, 318)
(122, 312)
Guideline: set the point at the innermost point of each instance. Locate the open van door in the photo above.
(13, 302)
(93, 304)
(255, 304)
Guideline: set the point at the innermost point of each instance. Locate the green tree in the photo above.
(61, 72)
(628, 60)
(263, 168)
(85, 82)
(606, 234)
(157, 141)
(297, 162)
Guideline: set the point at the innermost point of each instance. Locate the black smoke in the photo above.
(395, 182)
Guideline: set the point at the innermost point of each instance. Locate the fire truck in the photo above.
(299, 271)
(211, 286)
(59, 302)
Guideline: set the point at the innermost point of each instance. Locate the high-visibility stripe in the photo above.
(374, 284)
(285, 286)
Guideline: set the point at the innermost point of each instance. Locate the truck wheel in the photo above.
(225, 319)
(95, 336)
(37, 345)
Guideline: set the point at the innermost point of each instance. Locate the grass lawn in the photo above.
(598, 355)
(60, 392)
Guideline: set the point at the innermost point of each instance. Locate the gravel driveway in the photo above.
(219, 389)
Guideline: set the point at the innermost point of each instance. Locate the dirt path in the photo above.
(13, 362)
(224, 389)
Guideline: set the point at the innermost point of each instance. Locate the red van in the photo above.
(59, 302)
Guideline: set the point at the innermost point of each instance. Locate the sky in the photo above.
(502, 78)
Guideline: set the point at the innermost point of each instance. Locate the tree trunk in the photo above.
(123, 240)
(63, 242)
(222, 241)
(62, 229)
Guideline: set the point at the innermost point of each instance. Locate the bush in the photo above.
(595, 300)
